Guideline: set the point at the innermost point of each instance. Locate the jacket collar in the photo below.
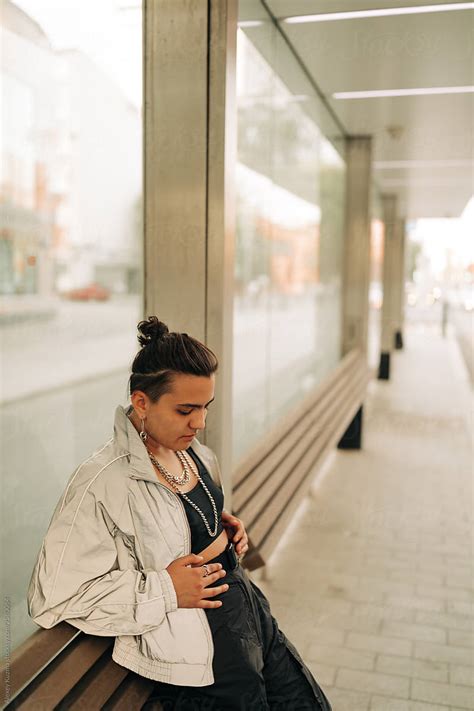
(141, 467)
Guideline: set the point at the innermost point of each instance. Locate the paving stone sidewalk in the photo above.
(374, 581)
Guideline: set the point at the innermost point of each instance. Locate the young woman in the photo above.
(140, 548)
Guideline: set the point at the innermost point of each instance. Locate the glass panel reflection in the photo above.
(70, 253)
(290, 221)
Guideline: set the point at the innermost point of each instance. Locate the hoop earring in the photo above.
(143, 434)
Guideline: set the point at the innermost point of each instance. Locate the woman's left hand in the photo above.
(235, 532)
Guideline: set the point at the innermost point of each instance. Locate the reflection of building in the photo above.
(294, 255)
(105, 167)
(285, 228)
(71, 176)
(29, 145)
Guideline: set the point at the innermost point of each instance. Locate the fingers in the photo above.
(241, 542)
(191, 559)
(208, 603)
(207, 579)
(236, 533)
(211, 592)
(240, 538)
(211, 568)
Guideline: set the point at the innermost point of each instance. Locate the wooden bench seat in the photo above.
(63, 668)
(270, 483)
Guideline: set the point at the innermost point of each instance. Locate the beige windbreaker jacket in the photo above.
(102, 564)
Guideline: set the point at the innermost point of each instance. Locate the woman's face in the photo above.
(178, 415)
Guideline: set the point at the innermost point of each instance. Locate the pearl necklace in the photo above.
(184, 479)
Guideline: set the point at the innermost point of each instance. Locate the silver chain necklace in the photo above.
(179, 478)
(184, 479)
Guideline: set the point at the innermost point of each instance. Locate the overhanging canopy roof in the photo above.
(423, 145)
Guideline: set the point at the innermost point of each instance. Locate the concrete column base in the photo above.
(352, 437)
(398, 340)
(384, 367)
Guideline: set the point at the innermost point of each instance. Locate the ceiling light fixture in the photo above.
(398, 164)
(422, 182)
(382, 12)
(380, 93)
(250, 23)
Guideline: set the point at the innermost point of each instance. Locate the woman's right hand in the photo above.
(191, 585)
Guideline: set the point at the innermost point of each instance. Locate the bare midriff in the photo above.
(216, 547)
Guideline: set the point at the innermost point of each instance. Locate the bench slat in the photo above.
(131, 694)
(264, 481)
(30, 657)
(288, 441)
(293, 484)
(273, 535)
(267, 443)
(52, 685)
(95, 687)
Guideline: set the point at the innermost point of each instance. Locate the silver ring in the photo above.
(207, 571)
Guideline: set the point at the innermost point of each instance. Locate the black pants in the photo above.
(256, 667)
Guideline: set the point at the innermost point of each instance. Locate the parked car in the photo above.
(92, 292)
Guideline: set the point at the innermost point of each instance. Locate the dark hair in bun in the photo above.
(151, 330)
(163, 354)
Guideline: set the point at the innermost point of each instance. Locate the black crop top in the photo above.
(200, 538)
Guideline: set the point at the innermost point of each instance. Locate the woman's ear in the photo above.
(140, 402)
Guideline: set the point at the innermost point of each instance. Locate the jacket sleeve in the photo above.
(77, 577)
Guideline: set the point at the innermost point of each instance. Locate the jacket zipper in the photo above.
(201, 612)
(183, 512)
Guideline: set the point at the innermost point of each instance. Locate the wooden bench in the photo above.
(63, 668)
(270, 483)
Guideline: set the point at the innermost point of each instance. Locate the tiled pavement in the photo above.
(374, 582)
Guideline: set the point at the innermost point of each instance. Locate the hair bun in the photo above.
(151, 330)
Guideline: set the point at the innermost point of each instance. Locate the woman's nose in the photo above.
(198, 421)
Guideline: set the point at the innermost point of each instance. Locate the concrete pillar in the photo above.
(189, 166)
(355, 301)
(391, 282)
(357, 245)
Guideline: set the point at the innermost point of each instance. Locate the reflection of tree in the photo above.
(254, 134)
(251, 260)
(332, 198)
(277, 140)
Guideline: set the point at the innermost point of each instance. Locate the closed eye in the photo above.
(188, 412)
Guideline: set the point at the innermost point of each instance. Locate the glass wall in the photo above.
(289, 237)
(70, 255)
